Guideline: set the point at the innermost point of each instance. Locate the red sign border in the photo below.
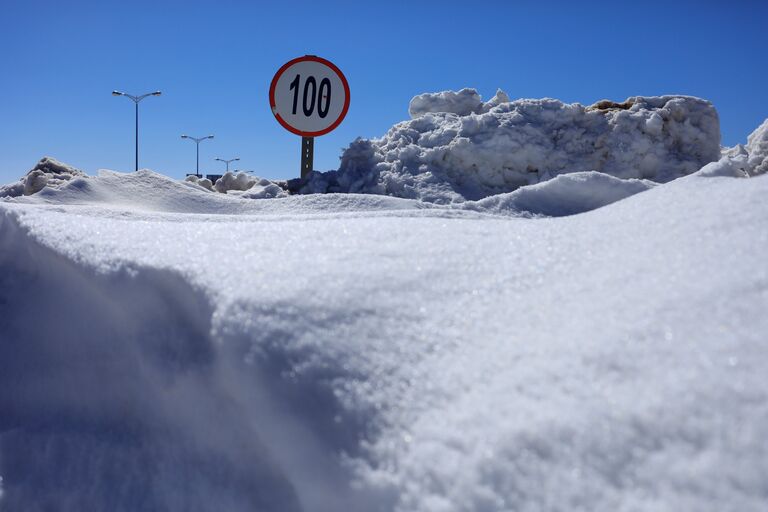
(273, 85)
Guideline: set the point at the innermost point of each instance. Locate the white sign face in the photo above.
(309, 96)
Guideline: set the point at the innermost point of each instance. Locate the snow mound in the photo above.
(743, 161)
(48, 172)
(757, 147)
(204, 183)
(567, 194)
(475, 150)
(252, 187)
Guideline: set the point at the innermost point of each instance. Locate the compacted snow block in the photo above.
(456, 147)
(47, 172)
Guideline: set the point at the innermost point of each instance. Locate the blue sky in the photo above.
(214, 61)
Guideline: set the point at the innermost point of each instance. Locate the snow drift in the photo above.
(459, 148)
(393, 356)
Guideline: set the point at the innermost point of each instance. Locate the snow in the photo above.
(506, 305)
(462, 103)
(757, 147)
(48, 172)
(567, 194)
(149, 191)
(168, 348)
(740, 160)
(458, 148)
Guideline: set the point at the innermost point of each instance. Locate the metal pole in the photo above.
(136, 100)
(137, 137)
(197, 165)
(307, 155)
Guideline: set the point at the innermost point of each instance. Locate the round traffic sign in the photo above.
(309, 96)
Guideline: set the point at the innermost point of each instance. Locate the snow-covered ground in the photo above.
(167, 347)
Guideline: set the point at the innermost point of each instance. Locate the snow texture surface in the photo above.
(458, 148)
(163, 347)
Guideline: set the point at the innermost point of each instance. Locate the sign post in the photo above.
(307, 155)
(309, 97)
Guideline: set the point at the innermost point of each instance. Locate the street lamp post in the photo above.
(227, 161)
(197, 140)
(136, 100)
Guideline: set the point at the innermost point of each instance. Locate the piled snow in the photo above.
(55, 175)
(743, 161)
(205, 183)
(757, 147)
(400, 358)
(241, 184)
(252, 186)
(149, 191)
(458, 148)
(48, 172)
(462, 103)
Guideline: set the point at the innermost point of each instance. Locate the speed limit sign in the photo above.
(309, 96)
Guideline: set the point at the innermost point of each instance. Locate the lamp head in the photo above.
(185, 136)
(117, 93)
(156, 93)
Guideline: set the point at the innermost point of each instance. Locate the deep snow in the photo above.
(184, 350)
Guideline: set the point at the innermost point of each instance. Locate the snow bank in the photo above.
(743, 161)
(429, 359)
(757, 147)
(48, 172)
(458, 148)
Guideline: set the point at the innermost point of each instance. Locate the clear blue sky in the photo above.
(214, 61)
